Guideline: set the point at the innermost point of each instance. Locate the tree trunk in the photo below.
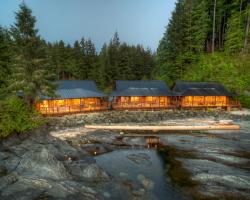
(247, 31)
(220, 32)
(213, 39)
(223, 31)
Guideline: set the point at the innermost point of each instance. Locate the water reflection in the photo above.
(153, 142)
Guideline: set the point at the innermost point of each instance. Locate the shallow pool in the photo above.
(142, 167)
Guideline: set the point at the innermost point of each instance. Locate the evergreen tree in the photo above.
(90, 59)
(247, 27)
(78, 61)
(235, 28)
(29, 74)
(5, 57)
(113, 56)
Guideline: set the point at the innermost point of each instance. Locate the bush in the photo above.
(17, 117)
(245, 101)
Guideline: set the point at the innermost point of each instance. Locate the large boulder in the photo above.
(89, 170)
(95, 172)
(25, 188)
(7, 180)
(42, 164)
(70, 190)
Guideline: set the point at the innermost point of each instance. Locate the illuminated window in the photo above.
(135, 99)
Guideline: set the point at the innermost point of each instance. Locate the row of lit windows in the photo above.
(142, 99)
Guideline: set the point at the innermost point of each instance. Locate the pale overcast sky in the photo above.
(137, 21)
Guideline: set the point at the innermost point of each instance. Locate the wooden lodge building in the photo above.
(73, 96)
(76, 96)
(141, 94)
(202, 95)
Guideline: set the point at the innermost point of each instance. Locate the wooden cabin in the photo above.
(73, 96)
(141, 94)
(201, 95)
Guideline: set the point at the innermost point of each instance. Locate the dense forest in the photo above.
(31, 65)
(205, 40)
(28, 58)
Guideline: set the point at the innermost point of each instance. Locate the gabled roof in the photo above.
(73, 89)
(141, 88)
(183, 88)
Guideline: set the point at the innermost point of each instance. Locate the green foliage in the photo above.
(226, 69)
(29, 74)
(235, 27)
(245, 100)
(5, 57)
(115, 61)
(122, 61)
(17, 117)
(184, 51)
(184, 39)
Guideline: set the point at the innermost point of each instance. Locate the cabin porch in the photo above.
(69, 106)
(140, 103)
(208, 102)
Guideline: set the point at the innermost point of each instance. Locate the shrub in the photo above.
(245, 101)
(17, 117)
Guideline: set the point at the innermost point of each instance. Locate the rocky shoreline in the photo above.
(58, 161)
(141, 117)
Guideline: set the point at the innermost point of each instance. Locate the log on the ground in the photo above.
(165, 128)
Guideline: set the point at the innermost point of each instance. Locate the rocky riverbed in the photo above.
(73, 162)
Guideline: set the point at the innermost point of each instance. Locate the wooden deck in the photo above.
(62, 110)
(141, 106)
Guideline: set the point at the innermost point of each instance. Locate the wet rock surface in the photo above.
(221, 161)
(63, 164)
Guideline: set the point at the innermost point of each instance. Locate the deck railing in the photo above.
(57, 110)
(204, 104)
(230, 103)
(234, 103)
(140, 105)
(61, 110)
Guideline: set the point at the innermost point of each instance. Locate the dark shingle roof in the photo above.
(71, 89)
(141, 88)
(183, 88)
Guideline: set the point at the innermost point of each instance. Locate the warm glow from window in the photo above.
(135, 99)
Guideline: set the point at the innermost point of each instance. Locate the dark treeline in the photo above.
(115, 61)
(28, 62)
(207, 40)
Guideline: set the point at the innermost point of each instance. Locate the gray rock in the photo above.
(42, 164)
(11, 163)
(140, 159)
(123, 174)
(106, 194)
(7, 180)
(4, 155)
(147, 183)
(88, 171)
(26, 188)
(139, 192)
(134, 141)
(67, 189)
